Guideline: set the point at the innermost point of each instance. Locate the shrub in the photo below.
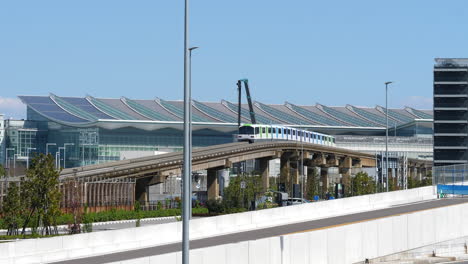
(215, 206)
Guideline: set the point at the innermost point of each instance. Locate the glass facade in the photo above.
(21, 140)
(86, 146)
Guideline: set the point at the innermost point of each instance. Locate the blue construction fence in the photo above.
(451, 180)
(443, 190)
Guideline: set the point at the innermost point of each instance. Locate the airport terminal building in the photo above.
(81, 131)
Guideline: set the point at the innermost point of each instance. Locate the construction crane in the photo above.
(249, 100)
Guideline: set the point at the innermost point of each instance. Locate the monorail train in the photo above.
(254, 133)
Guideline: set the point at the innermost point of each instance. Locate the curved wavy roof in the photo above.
(89, 110)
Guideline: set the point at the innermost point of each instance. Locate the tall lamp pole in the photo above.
(187, 144)
(190, 123)
(386, 131)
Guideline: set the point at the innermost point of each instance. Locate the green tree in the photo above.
(362, 184)
(41, 190)
(413, 182)
(237, 197)
(427, 181)
(312, 185)
(137, 209)
(12, 209)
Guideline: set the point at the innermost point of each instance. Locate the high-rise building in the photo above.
(450, 111)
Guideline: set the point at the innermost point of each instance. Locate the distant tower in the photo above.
(450, 111)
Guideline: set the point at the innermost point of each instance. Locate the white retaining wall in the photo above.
(351, 243)
(81, 245)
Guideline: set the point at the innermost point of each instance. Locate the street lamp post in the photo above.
(386, 131)
(47, 147)
(187, 144)
(65, 153)
(302, 165)
(27, 158)
(190, 123)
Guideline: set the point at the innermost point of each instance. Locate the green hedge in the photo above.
(116, 215)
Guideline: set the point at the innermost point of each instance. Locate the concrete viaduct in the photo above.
(155, 169)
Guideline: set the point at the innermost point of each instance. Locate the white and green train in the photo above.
(252, 133)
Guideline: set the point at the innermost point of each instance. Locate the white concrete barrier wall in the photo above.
(351, 243)
(68, 247)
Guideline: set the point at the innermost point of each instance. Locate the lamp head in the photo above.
(387, 83)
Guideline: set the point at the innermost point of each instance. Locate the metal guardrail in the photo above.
(380, 140)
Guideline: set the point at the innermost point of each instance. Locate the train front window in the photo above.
(246, 130)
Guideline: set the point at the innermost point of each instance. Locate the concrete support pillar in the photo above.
(296, 177)
(141, 190)
(324, 179)
(345, 171)
(412, 173)
(213, 182)
(285, 171)
(264, 172)
(419, 171)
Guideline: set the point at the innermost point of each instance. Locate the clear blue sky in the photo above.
(303, 51)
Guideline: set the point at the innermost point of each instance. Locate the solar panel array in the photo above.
(48, 108)
(180, 112)
(214, 113)
(394, 114)
(73, 109)
(371, 116)
(287, 118)
(246, 114)
(314, 116)
(84, 105)
(146, 111)
(421, 114)
(90, 109)
(347, 118)
(112, 111)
